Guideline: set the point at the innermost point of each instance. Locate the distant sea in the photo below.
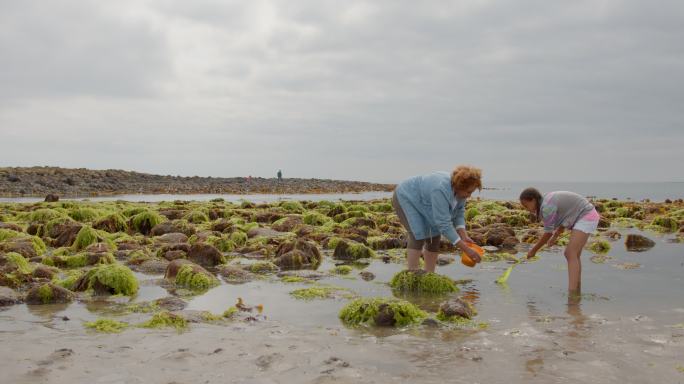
(495, 190)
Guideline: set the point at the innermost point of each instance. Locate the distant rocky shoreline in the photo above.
(81, 182)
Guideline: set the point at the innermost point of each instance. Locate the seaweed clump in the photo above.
(381, 312)
(422, 282)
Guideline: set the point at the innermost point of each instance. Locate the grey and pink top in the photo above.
(563, 208)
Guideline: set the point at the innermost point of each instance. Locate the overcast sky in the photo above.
(378, 91)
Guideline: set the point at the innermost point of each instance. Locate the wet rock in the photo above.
(613, 235)
(171, 255)
(430, 322)
(267, 217)
(172, 214)
(11, 227)
(44, 272)
(172, 238)
(171, 303)
(297, 255)
(48, 294)
(604, 222)
(153, 266)
(174, 266)
(176, 226)
(23, 247)
(289, 224)
(51, 198)
(265, 232)
(9, 297)
(65, 234)
(128, 246)
(456, 307)
(367, 275)
(638, 243)
(223, 226)
(232, 274)
(444, 260)
(98, 248)
(205, 255)
(385, 316)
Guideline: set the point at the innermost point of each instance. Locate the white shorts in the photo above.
(588, 223)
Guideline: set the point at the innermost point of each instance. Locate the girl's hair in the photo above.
(465, 177)
(529, 194)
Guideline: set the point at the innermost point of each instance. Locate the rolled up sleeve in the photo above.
(441, 214)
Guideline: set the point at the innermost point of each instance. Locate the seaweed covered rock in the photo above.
(175, 266)
(298, 254)
(381, 312)
(144, 221)
(288, 224)
(420, 281)
(112, 223)
(48, 294)
(27, 247)
(111, 279)
(638, 243)
(455, 307)
(195, 278)
(498, 235)
(87, 236)
(599, 246)
(205, 255)
(176, 226)
(351, 250)
(51, 198)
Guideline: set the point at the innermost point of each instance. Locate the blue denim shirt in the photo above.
(431, 207)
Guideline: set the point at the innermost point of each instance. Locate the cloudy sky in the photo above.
(379, 90)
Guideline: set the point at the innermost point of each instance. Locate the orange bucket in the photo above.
(467, 260)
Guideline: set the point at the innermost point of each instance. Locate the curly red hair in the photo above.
(465, 177)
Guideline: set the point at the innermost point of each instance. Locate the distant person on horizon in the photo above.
(280, 175)
(433, 205)
(558, 211)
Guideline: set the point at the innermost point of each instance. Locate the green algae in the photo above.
(196, 217)
(239, 238)
(262, 267)
(600, 246)
(18, 263)
(118, 278)
(230, 312)
(422, 282)
(503, 279)
(196, 281)
(146, 220)
(166, 319)
(315, 218)
(320, 292)
(44, 215)
(107, 325)
(341, 270)
(363, 311)
(292, 206)
(84, 214)
(69, 280)
(85, 237)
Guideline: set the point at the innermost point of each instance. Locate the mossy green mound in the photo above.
(166, 319)
(381, 312)
(107, 325)
(422, 282)
(114, 278)
(195, 279)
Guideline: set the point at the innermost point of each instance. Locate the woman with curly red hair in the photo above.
(433, 205)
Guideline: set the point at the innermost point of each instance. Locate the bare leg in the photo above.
(413, 258)
(573, 251)
(430, 260)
